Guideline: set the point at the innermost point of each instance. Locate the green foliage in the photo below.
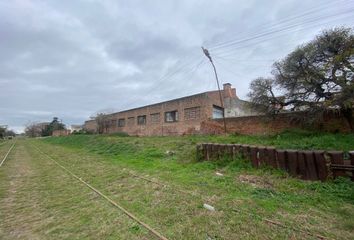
(119, 134)
(53, 125)
(264, 191)
(315, 77)
(135, 229)
(342, 188)
(6, 133)
(2, 132)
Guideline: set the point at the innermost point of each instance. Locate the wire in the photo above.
(230, 51)
(266, 28)
(183, 69)
(285, 29)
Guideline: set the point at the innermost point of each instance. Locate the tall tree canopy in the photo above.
(55, 124)
(315, 77)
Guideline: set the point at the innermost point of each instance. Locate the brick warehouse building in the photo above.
(186, 115)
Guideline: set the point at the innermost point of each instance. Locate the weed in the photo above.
(263, 191)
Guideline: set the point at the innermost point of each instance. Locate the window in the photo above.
(192, 113)
(155, 117)
(121, 122)
(130, 121)
(218, 112)
(113, 122)
(142, 120)
(171, 116)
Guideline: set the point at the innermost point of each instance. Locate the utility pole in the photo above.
(207, 54)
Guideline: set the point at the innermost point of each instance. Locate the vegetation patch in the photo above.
(255, 181)
(159, 180)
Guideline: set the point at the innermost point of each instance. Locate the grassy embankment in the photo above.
(324, 208)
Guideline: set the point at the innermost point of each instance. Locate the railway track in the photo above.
(7, 154)
(157, 234)
(115, 204)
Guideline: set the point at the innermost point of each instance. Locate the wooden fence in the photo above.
(308, 165)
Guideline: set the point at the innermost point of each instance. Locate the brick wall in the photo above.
(63, 132)
(262, 125)
(192, 111)
(250, 125)
(245, 120)
(155, 123)
(189, 119)
(90, 126)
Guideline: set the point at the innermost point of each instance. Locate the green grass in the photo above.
(266, 192)
(292, 139)
(40, 201)
(243, 197)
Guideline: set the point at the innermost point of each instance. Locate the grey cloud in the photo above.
(72, 58)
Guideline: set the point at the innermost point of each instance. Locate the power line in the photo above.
(231, 49)
(289, 28)
(186, 65)
(183, 69)
(266, 28)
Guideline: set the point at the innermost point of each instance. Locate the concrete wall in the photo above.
(235, 107)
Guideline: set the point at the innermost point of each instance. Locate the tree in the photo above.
(33, 129)
(315, 77)
(102, 119)
(52, 126)
(2, 131)
(10, 133)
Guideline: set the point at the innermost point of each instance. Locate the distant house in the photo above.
(90, 126)
(76, 128)
(180, 116)
(39, 128)
(42, 125)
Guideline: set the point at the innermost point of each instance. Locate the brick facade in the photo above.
(63, 132)
(90, 126)
(332, 121)
(175, 117)
(195, 115)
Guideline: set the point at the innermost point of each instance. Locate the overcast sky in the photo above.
(70, 59)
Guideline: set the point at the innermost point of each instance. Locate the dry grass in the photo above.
(62, 208)
(40, 201)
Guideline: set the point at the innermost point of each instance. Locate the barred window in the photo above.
(142, 120)
(155, 117)
(121, 122)
(130, 121)
(171, 116)
(192, 113)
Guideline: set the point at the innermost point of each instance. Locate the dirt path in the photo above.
(40, 201)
